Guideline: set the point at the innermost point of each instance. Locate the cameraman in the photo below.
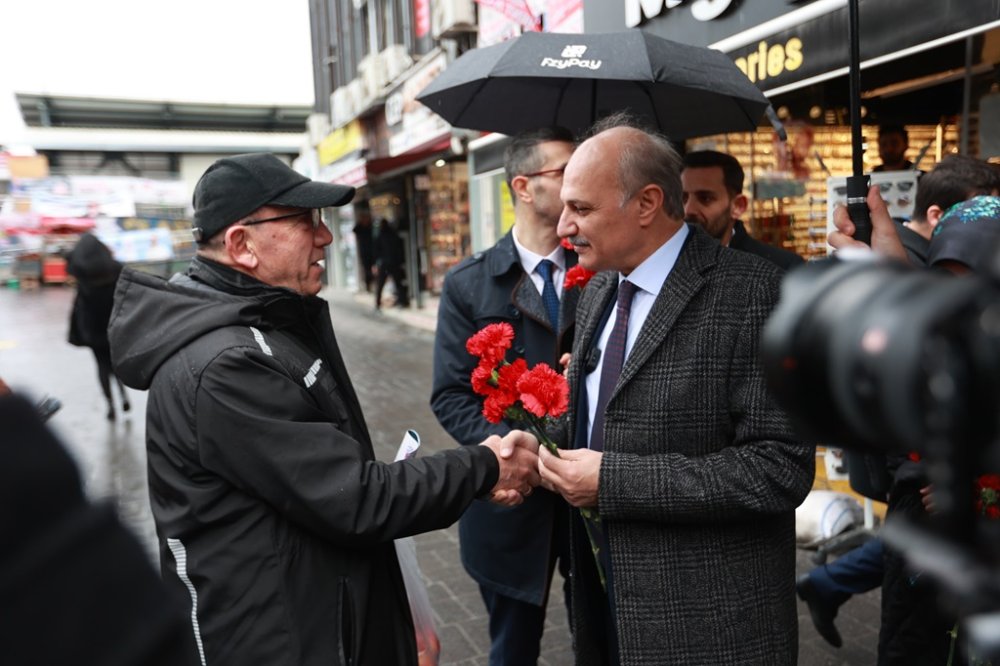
(914, 629)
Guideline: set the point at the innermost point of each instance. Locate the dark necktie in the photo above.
(549, 297)
(614, 358)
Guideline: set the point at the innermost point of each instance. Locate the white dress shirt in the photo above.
(649, 277)
(530, 261)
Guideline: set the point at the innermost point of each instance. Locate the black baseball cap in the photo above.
(236, 186)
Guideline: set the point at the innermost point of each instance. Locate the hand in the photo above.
(517, 454)
(885, 238)
(564, 362)
(574, 474)
(927, 498)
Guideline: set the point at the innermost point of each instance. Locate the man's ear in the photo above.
(650, 199)
(519, 184)
(239, 247)
(934, 213)
(738, 206)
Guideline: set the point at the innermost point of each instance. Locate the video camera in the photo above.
(879, 358)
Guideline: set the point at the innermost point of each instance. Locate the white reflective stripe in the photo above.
(310, 377)
(259, 337)
(180, 556)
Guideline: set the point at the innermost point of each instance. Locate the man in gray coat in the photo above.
(693, 469)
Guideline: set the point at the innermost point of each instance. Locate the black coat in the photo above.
(76, 587)
(389, 252)
(96, 272)
(505, 549)
(271, 510)
(741, 240)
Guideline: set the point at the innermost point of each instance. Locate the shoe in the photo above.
(820, 610)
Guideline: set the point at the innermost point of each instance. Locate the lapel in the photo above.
(567, 304)
(527, 299)
(685, 280)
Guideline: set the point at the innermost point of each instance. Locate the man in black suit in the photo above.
(713, 197)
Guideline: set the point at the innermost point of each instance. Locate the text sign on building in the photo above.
(701, 10)
(410, 123)
(340, 142)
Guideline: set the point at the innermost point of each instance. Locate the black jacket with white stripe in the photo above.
(272, 513)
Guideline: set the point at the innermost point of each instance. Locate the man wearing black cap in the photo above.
(274, 518)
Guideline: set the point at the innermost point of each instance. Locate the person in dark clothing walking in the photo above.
(96, 272)
(274, 518)
(366, 251)
(389, 261)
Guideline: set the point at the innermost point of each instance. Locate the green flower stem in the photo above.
(591, 517)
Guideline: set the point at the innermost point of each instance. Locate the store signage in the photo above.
(411, 124)
(422, 14)
(571, 57)
(351, 172)
(771, 60)
(818, 47)
(701, 10)
(340, 142)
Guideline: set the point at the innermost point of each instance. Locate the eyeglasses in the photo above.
(558, 172)
(315, 217)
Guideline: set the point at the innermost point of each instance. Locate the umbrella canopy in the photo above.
(571, 80)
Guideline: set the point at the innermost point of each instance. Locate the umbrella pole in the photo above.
(858, 182)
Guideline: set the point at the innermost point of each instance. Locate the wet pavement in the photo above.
(389, 356)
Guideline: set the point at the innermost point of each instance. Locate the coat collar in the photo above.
(525, 296)
(687, 278)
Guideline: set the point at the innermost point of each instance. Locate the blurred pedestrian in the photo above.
(519, 280)
(390, 259)
(893, 142)
(713, 198)
(274, 518)
(366, 250)
(96, 271)
(694, 469)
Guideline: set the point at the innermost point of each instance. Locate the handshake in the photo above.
(574, 474)
(517, 454)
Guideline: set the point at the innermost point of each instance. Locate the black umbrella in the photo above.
(572, 80)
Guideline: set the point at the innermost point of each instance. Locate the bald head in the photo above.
(622, 198)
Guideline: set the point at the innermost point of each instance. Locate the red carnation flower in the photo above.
(578, 276)
(482, 380)
(567, 245)
(544, 392)
(990, 481)
(491, 343)
(993, 512)
(510, 374)
(496, 405)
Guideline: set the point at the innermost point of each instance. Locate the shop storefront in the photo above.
(421, 163)
(929, 69)
(340, 158)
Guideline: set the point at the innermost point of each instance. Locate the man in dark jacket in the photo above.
(274, 517)
(713, 197)
(511, 553)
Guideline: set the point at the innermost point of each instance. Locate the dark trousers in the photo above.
(104, 374)
(854, 572)
(398, 280)
(515, 629)
(516, 626)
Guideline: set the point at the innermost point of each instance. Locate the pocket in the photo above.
(347, 640)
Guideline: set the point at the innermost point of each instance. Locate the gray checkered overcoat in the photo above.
(701, 473)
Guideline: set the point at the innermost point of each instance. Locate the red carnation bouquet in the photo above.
(512, 391)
